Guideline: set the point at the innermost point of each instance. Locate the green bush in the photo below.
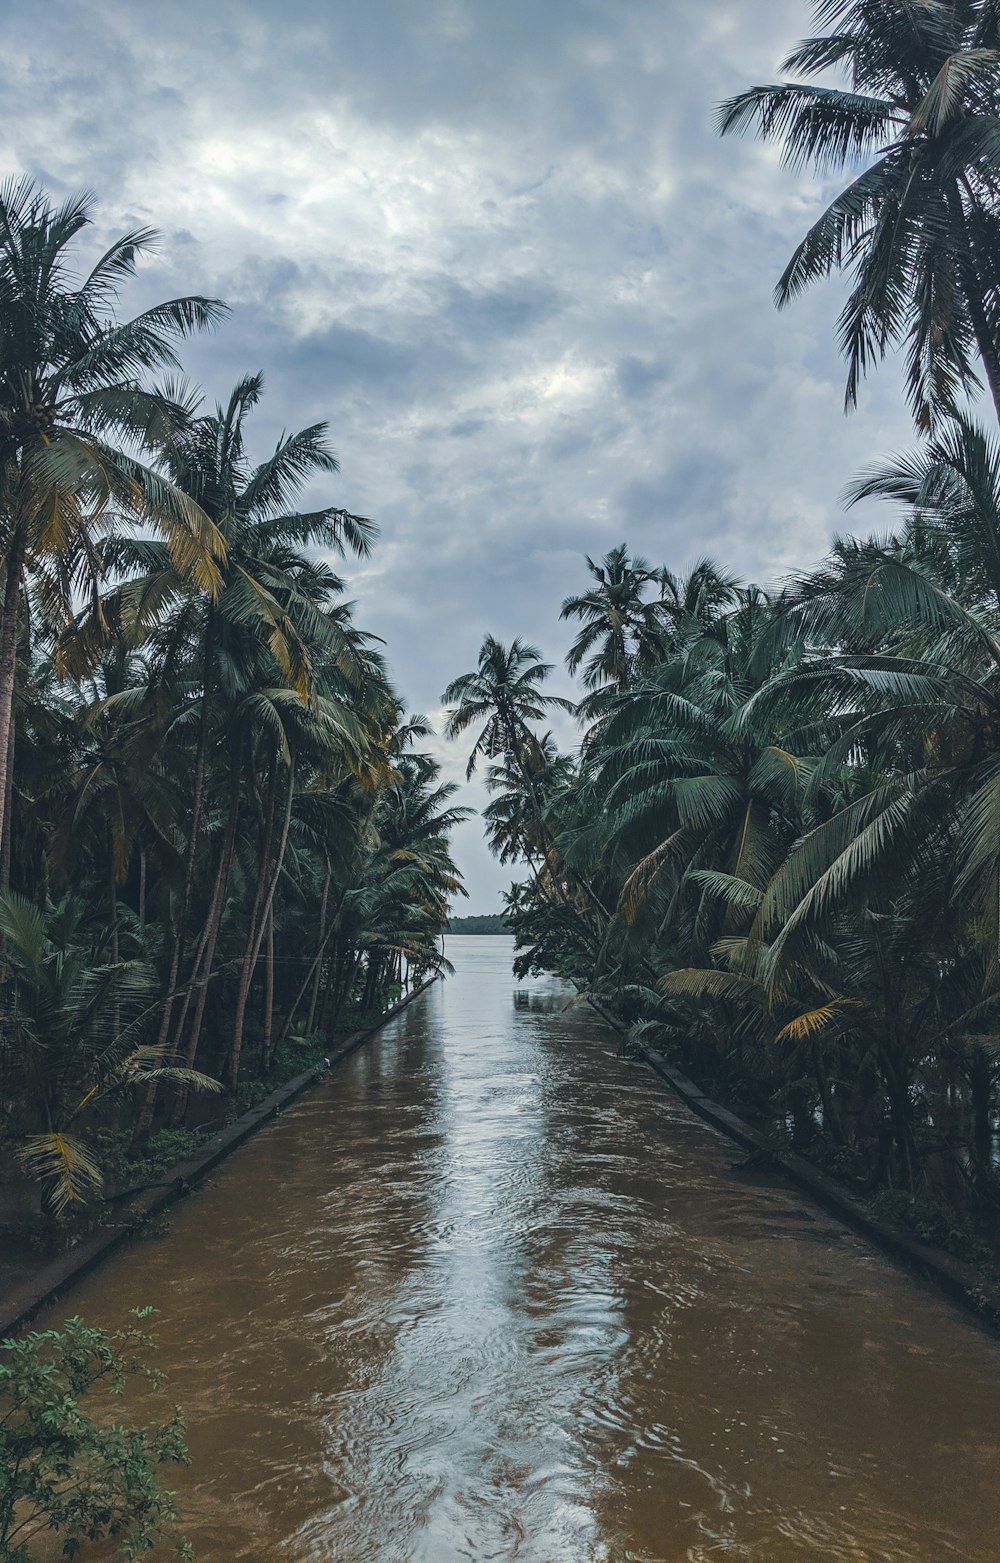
(64, 1472)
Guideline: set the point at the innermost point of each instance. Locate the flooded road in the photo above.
(491, 1293)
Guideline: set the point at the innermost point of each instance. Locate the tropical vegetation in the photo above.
(69, 1474)
(775, 848)
(220, 838)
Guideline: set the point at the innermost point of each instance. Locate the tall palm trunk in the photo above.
(265, 1051)
(7, 841)
(205, 958)
(8, 670)
(981, 1091)
(974, 298)
(313, 975)
(256, 934)
(321, 946)
(547, 836)
(197, 811)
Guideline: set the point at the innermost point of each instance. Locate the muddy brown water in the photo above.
(492, 1294)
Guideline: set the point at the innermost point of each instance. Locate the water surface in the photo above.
(492, 1294)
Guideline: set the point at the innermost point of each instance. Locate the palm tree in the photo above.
(907, 678)
(505, 694)
(622, 631)
(69, 384)
(917, 229)
(268, 620)
(708, 808)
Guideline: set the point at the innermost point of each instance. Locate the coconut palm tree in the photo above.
(917, 228)
(269, 618)
(75, 420)
(622, 629)
(505, 694)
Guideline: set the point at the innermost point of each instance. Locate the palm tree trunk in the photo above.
(268, 992)
(197, 810)
(319, 953)
(256, 937)
(7, 843)
(312, 975)
(547, 835)
(974, 291)
(368, 996)
(987, 348)
(205, 957)
(981, 1090)
(8, 670)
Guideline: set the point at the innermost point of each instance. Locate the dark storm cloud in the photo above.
(501, 249)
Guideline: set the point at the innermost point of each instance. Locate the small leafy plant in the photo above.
(64, 1470)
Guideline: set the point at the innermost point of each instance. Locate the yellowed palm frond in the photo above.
(286, 646)
(82, 644)
(697, 982)
(812, 1022)
(63, 1163)
(644, 876)
(195, 544)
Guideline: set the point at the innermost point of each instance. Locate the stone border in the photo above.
(20, 1305)
(960, 1281)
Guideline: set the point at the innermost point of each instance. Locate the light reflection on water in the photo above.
(491, 1294)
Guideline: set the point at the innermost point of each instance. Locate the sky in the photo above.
(500, 248)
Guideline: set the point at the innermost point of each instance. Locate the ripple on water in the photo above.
(492, 1295)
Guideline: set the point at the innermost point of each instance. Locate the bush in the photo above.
(61, 1470)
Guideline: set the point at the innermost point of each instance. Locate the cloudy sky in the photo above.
(499, 247)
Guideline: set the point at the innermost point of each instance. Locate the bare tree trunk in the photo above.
(268, 992)
(142, 885)
(205, 956)
(255, 938)
(321, 945)
(197, 810)
(7, 843)
(8, 671)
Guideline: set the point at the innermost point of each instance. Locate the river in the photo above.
(490, 1293)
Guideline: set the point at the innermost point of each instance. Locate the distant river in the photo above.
(492, 1294)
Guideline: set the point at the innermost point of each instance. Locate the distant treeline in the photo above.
(489, 924)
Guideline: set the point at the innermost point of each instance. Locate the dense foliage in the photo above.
(777, 847)
(218, 836)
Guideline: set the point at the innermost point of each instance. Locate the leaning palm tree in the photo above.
(74, 417)
(916, 229)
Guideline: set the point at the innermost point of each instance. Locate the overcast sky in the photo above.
(499, 247)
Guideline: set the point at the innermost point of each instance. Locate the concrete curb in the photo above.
(20, 1304)
(960, 1281)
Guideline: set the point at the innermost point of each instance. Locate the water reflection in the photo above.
(491, 1294)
